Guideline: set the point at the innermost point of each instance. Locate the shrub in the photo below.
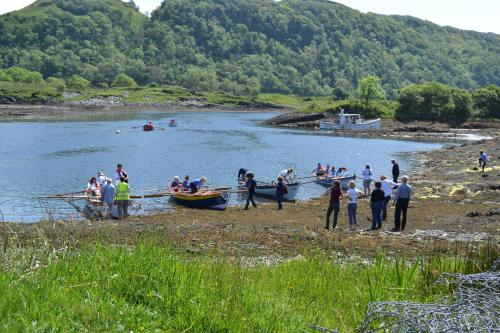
(123, 80)
(78, 83)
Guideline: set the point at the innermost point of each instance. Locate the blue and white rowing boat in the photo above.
(327, 181)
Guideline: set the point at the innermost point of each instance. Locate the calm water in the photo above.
(48, 157)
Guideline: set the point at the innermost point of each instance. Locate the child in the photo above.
(251, 185)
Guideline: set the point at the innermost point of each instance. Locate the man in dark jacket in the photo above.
(395, 171)
(251, 185)
(281, 190)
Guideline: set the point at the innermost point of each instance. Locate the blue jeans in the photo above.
(351, 209)
(377, 207)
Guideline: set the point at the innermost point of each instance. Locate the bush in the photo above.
(57, 83)
(5, 77)
(78, 83)
(19, 74)
(123, 80)
(433, 101)
(487, 101)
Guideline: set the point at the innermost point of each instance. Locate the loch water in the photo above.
(47, 157)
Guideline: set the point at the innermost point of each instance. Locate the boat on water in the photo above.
(217, 199)
(269, 190)
(351, 121)
(148, 127)
(173, 123)
(327, 181)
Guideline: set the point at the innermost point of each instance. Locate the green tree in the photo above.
(434, 102)
(77, 83)
(369, 89)
(487, 101)
(123, 80)
(57, 83)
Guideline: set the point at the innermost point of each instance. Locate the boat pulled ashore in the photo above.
(217, 199)
(350, 121)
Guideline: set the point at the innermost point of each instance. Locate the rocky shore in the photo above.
(455, 208)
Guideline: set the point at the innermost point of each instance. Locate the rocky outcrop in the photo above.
(296, 118)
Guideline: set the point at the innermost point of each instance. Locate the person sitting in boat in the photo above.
(119, 173)
(242, 174)
(175, 184)
(185, 183)
(327, 170)
(320, 171)
(93, 187)
(288, 175)
(197, 184)
(333, 172)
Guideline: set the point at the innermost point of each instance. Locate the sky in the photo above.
(479, 15)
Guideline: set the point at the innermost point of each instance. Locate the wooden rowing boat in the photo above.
(327, 181)
(217, 199)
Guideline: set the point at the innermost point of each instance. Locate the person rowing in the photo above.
(185, 183)
(93, 187)
(175, 184)
(320, 171)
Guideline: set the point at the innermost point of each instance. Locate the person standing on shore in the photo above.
(402, 200)
(108, 194)
(281, 190)
(483, 159)
(122, 198)
(120, 173)
(352, 204)
(377, 204)
(387, 187)
(334, 206)
(101, 180)
(395, 171)
(251, 185)
(367, 179)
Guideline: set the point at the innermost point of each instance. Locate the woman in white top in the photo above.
(367, 180)
(352, 204)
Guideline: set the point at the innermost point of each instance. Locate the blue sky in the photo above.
(480, 15)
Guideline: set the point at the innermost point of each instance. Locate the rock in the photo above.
(474, 213)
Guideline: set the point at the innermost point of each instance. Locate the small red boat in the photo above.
(148, 127)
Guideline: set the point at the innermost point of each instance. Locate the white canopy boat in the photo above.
(351, 121)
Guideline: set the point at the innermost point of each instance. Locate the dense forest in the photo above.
(304, 47)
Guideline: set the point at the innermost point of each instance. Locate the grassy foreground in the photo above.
(154, 289)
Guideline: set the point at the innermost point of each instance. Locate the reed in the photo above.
(152, 288)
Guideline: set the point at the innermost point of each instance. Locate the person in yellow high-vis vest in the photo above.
(122, 198)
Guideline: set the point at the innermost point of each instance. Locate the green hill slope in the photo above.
(306, 47)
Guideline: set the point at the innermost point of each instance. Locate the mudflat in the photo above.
(455, 207)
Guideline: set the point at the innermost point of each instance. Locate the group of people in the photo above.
(328, 171)
(285, 178)
(187, 185)
(102, 187)
(380, 198)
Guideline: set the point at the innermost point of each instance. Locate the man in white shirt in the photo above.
(483, 159)
(288, 175)
(120, 172)
(387, 187)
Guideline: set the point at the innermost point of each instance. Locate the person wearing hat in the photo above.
(108, 196)
(251, 185)
(197, 184)
(101, 180)
(395, 171)
(175, 184)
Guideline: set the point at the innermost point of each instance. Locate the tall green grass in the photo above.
(153, 289)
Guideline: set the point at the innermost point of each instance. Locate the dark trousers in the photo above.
(401, 207)
(395, 178)
(279, 198)
(482, 164)
(250, 199)
(122, 209)
(335, 208)
(384, 210)
(351, 210)
(377, 207)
